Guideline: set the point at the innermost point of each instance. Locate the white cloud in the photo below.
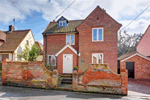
(120, 10)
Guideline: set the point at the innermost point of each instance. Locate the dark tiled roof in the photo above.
(126, 55)
(2, 36)
(41, 47)
(53, 28)
(13, 40)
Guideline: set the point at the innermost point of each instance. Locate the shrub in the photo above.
(75, 68)
(49, 67)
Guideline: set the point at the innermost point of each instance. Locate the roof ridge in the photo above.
(69, 20)
(18, 30)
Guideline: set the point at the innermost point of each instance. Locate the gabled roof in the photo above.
(63, 18)
(66, 46)
(53, 28)
(131, 54)
(13, 40)
(126, 55)
(41, 47)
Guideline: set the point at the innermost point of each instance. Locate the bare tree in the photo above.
(127, 42)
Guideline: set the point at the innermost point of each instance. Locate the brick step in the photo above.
(66, 75)
(66, 81)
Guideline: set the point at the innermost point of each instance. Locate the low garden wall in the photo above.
(100, 78)
(28, 74)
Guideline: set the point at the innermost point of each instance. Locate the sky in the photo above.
(36, 14)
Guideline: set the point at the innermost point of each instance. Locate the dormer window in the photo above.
(62, 23)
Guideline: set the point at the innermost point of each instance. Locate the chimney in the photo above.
(11, 28)
(53, 20)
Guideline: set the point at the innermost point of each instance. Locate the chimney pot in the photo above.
(11, 28)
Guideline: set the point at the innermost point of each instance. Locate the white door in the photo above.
(67, 63)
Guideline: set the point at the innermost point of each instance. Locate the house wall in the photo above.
(55, 43)
(144, 46)
(97, 19)
(60, 59)
(141, 67)
(31, 40)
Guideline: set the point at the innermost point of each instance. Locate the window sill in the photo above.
(97, 41)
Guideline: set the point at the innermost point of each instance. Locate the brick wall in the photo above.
(55, 43)
(98, 18)
(141, 67)
(100, 78)
(60, 59)
(28, 74)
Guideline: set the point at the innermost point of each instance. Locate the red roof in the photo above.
(13, 40)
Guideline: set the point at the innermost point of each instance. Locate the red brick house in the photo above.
(69, 43)
(138, 63)
(143, 46)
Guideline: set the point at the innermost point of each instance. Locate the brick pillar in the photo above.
(4, 64)
(124, 81)
(75, 80)
(55, 78)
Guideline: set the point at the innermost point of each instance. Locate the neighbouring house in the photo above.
(69, 43)
(40, 57)
(138, 63)
(13, 42)
(143, 46)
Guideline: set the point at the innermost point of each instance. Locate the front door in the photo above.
(67, 63)
(130, 67)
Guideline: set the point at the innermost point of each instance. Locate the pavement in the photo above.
(136, 91)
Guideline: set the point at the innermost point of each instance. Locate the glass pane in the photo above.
(72, 39)
(99, 58)
(94, 34)
(49, 59)
(64, 23)
(100, 35)
(60, 23)
(68, 39)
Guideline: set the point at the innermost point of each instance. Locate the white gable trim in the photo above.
(66, 46)
(135, 55)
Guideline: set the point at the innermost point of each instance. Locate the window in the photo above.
(70, 39)
(62, 23)
(52, 60)
(27, 42)
(97, 34)
(97, 58)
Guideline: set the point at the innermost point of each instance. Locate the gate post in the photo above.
(75, 80)
(124, 81)
(55, 78)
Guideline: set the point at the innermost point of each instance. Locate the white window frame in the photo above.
(51, 58)
(70, 39)
(62, 23)
(98, 34)
(97, 59)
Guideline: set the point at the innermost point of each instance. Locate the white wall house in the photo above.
(16, 40)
